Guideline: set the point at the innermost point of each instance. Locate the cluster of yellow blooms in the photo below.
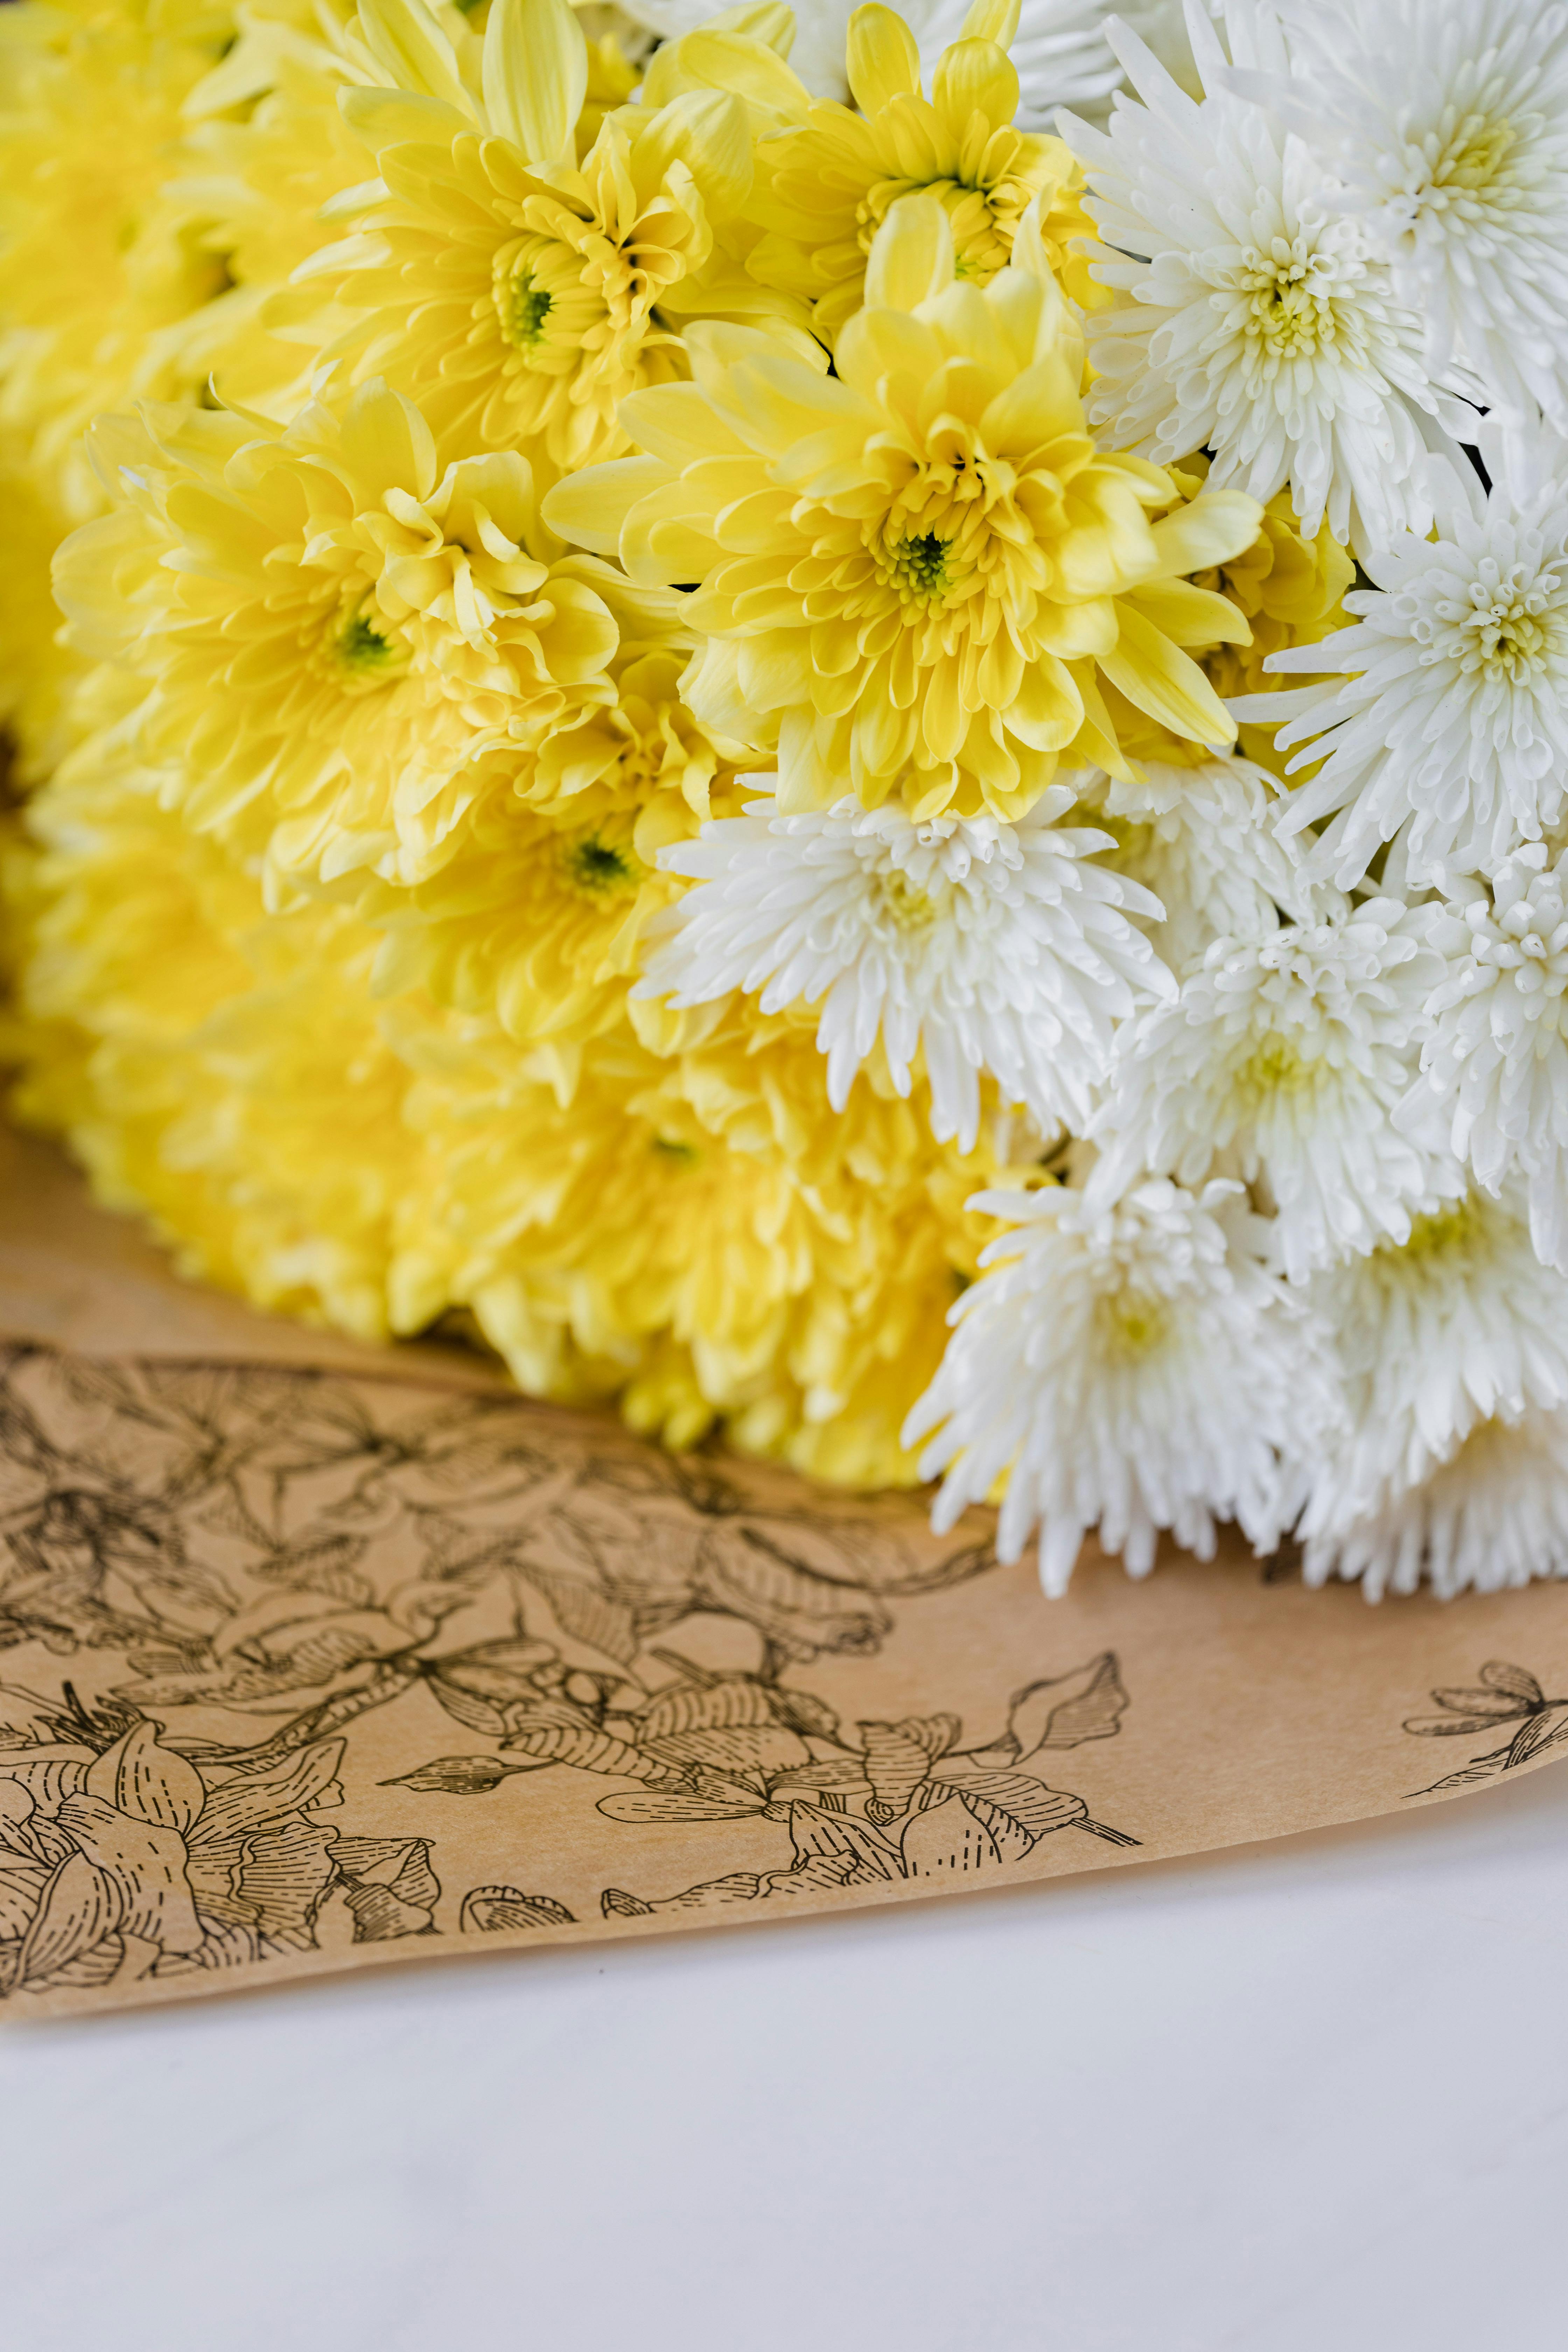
(477, 455)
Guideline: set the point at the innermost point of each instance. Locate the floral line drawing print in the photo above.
(1505, 1694)
(143, 1860)
(620, 1544)
(903, 1801)
(212, 1577)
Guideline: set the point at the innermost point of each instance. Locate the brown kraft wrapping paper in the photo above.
(314, 1656)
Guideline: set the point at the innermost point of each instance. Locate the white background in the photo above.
(1312, 2094)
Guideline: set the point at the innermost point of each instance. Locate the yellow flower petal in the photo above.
(407, 42)
(535, 76)
(912, 256)
(976, 77)
(1149, 670)
(675, 422)
(884, 62)
(1210, 530)
(1189, 615)
(590, 508)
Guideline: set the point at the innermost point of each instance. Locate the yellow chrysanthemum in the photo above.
(539, 913)
(215, 1070)
(329, 632)
(271, 164)
(827, 185)
(265, 148)
(698, 1230)
(540, 921)
(509, 286)
(100, 271)
(918, 570)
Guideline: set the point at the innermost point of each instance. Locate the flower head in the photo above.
(534, 923)
(216, 1068)
(1492, 1517)
(1251, 320)
(1445, 124)
(827, 183)
(100, 271)
(1204, 839)
(1495, 1062)
(545, 894)
(919, 572)
(1284, 1058)
(1127, 1366)
(697, 1228)
(1449, 732)
(1458, 1325)
(266, 154)
(509, 286)
(329, 629)
(996, 950)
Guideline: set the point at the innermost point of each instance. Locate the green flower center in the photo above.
(919, 566)
(598, 869)
(523, 311)
(366, 652)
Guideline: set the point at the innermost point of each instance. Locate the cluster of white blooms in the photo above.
(1294, 1037)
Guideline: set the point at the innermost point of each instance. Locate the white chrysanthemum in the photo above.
(1284, 1059)
(1450, 733)
(994, 948)
(1460, 1325)
(1493, 1517)
(1251, 322)
(1203, 840)
(1128, 1366)
(1495, 1063)
(1447, 124)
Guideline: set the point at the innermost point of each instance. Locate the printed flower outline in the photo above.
(1504, 1695)
(144, 1861)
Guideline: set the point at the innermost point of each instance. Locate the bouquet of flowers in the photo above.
(872, 756)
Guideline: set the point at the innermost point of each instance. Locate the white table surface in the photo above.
(1312, 2094)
